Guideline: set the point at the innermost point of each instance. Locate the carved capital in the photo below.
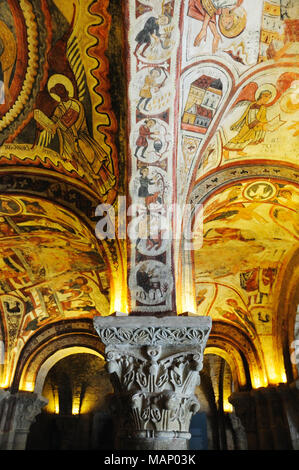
(27, 407)
(17, 412)
(154, 366)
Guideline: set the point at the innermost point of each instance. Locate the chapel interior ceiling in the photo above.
(63, 145)
(59, 160)
(246, 175)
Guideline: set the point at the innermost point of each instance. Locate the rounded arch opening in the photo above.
(77, 389)
(55, 358)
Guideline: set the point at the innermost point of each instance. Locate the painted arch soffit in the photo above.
(238, 86)
(229, 69)
(55, 110)
(237, 152)
(247, 235)
(51, 270)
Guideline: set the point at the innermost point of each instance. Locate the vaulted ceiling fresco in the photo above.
(58, 161)
(190, 105)
(213, 121)
(244, 168)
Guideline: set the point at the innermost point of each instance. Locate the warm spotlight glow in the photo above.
(276, 377)
(284, 377)
(188, 304)
(75, 410)
(29, 387)
(119, 297)
(257, 383)
(227, 407)
(118, 306)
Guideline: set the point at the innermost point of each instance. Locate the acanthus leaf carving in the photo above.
(155, 369)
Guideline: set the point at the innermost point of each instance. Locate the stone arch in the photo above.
(78, 200)
(288, 299)
(65, 335)
(56, 357)
(248, 366)
(203, 190)
(232, 356)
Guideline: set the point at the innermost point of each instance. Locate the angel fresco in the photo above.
(253, 124)
(261, 101)
(76, 145)
(231, 21)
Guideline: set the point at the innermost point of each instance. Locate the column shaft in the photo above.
(263, 415)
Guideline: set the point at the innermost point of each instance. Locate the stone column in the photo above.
(154, 365)
(289, 394)
(263, 415)
(244, 406)
(240, 436)
(17, 413)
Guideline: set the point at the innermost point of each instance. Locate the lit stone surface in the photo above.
(154, 366)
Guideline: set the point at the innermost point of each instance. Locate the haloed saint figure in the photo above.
(232, 19)
(76, 145)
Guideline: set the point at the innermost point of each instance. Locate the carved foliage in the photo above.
(27, 408)
(154, 366)
(156, 390)
(150, 335)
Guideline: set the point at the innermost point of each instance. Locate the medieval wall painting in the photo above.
(223, 28)
(273, 98)
(213, 85)
(18, 64)
(51, 112)
(221, 90)
(50, 269)
(203, 91)
(153, 41)
(55, 122)
(265, 35)
(259, 217)
(151, 142)
(8, 55)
